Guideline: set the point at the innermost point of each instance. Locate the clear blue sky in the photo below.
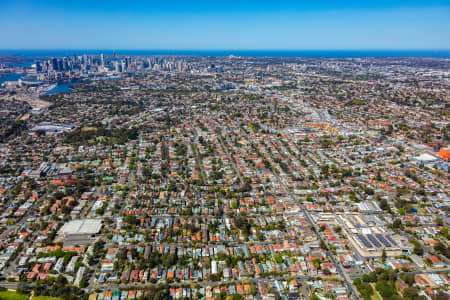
(199, 24)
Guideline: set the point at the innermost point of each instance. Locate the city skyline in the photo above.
(348, 25)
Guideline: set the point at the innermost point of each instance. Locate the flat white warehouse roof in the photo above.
(86, 226)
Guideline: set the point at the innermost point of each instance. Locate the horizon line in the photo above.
(217, 49)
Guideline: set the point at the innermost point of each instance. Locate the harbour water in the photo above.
(10, 77)
(61, 88)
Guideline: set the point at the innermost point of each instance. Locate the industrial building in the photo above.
(368, 234)
(79, 232)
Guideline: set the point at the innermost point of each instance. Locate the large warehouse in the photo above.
(79, 232)
(369, 236)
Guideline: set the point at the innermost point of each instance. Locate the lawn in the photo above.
(8, 295)
(376, 295)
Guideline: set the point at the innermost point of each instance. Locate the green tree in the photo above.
(317, 263)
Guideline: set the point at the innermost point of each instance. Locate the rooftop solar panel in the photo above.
(364, 241)
(381, 238)
(391, 240)
(373, 240)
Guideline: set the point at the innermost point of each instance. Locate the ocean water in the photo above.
(255, 53)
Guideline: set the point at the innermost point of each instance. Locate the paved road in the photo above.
(11, 268)
(93, 199)
(9, 285)
(206, 283)
(197, 156)
(22, 219)
(343, 274)
(233, 164)
(428, 271)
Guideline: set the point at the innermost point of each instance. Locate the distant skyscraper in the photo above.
(46, 65)
(102, 59)
(65, 64)
(54, 64)
(38, 66)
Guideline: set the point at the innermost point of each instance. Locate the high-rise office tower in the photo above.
(54, 64)
(65, 64)
(45, 67)
(38, 67)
